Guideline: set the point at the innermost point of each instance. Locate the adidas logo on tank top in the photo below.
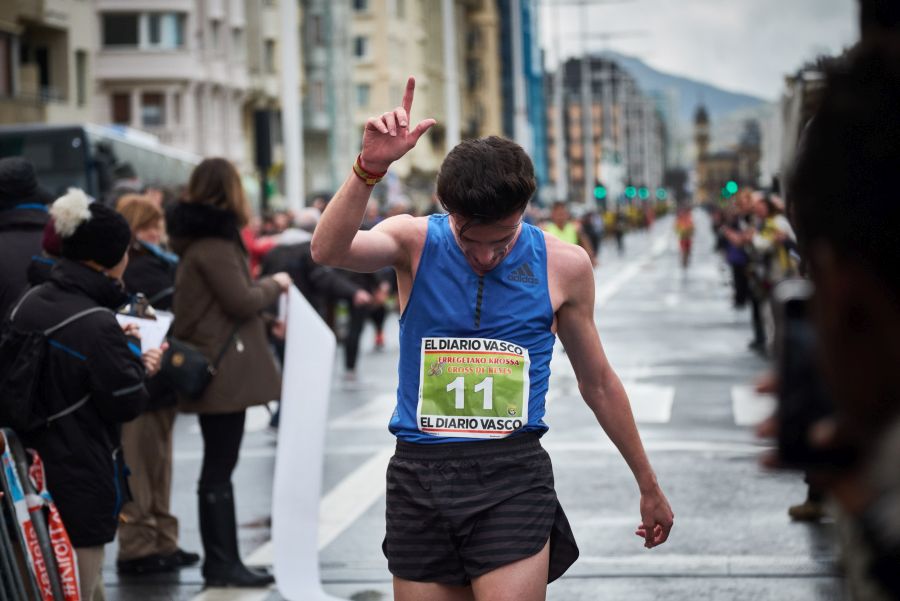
(523, 274)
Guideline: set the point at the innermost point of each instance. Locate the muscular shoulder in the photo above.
(409, 232)
(569, 269)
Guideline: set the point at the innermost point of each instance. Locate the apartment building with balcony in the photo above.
(624, 127)
(330, 136)
(179, 69)
(392, 39)
(482, 103)
(388, 43)
(45, 61)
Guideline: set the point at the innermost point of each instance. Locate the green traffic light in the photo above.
(661, 194)
(731, 187)
(600, 192)
(630, 192)
(644, 193)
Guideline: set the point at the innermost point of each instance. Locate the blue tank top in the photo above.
(474, 350)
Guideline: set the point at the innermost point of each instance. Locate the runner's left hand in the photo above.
(656, 518)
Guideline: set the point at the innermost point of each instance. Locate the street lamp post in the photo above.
(291, 115)
(451, 73)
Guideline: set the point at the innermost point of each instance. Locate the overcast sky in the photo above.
(739, 45)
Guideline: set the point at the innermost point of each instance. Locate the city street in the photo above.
(681, 350)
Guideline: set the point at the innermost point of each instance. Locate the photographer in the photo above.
(846, 220)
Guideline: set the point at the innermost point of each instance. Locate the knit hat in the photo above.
(19, 184)
(90, 231)
(51, 242)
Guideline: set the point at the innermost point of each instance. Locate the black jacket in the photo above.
(153, 276)
(81, 451)
(21, 231)
(317, 283)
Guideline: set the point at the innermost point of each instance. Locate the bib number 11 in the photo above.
(459, 387)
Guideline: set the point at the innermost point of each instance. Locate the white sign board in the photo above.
(152, 331)
(305, 393)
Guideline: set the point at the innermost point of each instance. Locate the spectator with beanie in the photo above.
(23, 214)
(148, 534)
(92, 369)
(217, 306)
(42, 264)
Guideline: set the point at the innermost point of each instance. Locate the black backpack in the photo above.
(22, 362)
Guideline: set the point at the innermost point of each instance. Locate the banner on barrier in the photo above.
(30, 507)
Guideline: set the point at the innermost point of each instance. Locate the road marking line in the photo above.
(610, 288)
(343, 505)
(373, 414)
(750, 407)
(605, 446)
(230, 594)
(722, 565)
(650, 403)
(258, 418)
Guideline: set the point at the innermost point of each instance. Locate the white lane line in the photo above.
(601, 446)
(605, 446)
(722, 565)
(610, 288)
(750, 408)
(230, 594)
(258, 418)
(373, 414)
(246, 453)
(343, 505)
(650, 403)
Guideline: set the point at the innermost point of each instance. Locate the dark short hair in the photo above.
(486, 179)
(843, 187)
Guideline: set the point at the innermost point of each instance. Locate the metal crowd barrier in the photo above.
(20, 581)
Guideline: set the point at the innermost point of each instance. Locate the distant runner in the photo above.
(684, 229)
(471, 508)
(562, 226)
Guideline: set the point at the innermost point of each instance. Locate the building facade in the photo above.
(739, 164)
(392, 39)
(524, 119)
(182, 71)
(46, 49)
(612, 132)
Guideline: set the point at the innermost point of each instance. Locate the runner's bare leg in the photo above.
(523, 580)
(407, 590)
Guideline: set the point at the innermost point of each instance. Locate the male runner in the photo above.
(471, 509)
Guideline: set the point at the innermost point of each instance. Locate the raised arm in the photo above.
(603, 391)
(338, 241)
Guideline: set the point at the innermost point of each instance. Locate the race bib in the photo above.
(472, 387)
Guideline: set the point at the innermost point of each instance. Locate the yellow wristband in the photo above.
(370, 179)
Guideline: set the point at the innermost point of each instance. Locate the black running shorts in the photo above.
(456, 511)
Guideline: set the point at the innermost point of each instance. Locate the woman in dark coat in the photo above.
(217, 306)
(148, 534)
(91, 364)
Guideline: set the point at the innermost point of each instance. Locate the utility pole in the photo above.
(559, 159)
(521, 129)
(451, 73)
(291, 115)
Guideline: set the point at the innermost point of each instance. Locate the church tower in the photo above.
(701, 138)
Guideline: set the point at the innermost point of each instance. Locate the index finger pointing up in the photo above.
(408, 95)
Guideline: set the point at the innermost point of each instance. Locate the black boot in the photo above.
(222, 565)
